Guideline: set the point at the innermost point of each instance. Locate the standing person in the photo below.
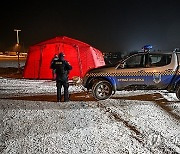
(62, 68)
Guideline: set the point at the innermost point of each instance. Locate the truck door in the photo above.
(160, 70)
(132, 74)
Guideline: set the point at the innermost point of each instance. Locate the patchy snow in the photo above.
(10, 87)
(129, 122)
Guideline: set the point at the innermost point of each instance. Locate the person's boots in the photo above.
(66, 95)
(66, 98)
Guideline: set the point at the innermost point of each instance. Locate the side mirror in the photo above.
(122, 65)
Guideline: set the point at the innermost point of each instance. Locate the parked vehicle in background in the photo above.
(140, 71)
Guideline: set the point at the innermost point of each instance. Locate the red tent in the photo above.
(80, 55)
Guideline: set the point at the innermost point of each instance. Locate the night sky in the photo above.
(108, 25)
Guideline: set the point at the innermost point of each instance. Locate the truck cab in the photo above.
(140, 71)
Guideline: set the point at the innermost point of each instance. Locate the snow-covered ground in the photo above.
(129, 122)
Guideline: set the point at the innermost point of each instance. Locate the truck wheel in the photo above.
(178, 92)
(101, 90)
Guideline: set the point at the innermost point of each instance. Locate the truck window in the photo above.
(158, 60)
(136, 61)
(178, 57)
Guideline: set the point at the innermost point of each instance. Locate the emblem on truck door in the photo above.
(157, 77)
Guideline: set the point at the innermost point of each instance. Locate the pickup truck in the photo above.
(139, 71)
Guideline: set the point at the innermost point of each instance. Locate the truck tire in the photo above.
(178, 92)
(101, 90)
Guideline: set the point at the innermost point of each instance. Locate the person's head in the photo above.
(61, 55)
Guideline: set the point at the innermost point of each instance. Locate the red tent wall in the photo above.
(71, 55)
(45, 60)
(81, 56)
(32, 63)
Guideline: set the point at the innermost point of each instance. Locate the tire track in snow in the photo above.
(157, 142)
(158, 99)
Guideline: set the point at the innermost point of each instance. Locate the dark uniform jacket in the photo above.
(62, 68)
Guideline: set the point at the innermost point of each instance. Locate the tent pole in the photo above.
(79, 59)
(40, 60)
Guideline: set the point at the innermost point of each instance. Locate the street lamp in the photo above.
(17, 46)
(17, 31)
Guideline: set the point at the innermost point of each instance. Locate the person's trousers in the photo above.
(65, 85)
